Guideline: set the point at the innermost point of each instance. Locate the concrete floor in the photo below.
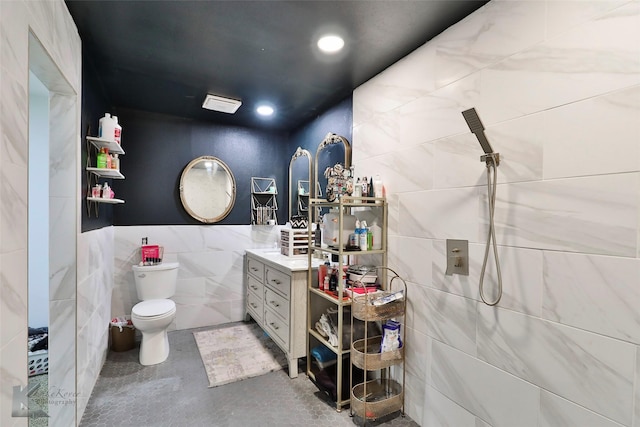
(176, 393)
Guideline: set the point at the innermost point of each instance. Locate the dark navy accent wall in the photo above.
(95, 102)
(338, 120)
(158, 148)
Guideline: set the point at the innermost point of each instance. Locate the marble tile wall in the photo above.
(52, 26)
(210, 289)
(95, 286)
(557, 86)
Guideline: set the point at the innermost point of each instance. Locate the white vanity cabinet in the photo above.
(277, 300)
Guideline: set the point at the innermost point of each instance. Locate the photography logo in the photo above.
(22, 406)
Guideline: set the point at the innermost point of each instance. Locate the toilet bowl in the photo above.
(155, 284)
(152, 318)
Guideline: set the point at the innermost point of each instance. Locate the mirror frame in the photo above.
(231, 203)
(331, 139)
(300, 152)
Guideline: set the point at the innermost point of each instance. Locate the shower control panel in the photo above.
(457, 257)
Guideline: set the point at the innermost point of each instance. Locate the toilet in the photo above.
(155, 284)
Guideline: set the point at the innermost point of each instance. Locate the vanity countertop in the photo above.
(290, 263)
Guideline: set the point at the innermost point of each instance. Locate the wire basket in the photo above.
(376, 398)
(366, 354)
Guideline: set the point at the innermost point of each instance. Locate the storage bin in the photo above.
(294, 242)
(124, 340)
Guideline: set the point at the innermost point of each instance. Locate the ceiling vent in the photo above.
(218, 103)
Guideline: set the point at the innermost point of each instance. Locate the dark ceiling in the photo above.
(165, 56)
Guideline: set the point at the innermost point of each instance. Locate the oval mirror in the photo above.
(207, 189)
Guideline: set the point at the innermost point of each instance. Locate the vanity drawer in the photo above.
(278, 328)
(255, 306)
(255, 286)
(255, 268)
(277, 303)
(278, 281)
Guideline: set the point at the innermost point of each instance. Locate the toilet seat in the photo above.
(153, 309)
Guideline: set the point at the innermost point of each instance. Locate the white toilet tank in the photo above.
(156, 281)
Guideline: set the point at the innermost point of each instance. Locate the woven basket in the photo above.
(383, 398)
(366, 311)
(299, 221)
(373, 358)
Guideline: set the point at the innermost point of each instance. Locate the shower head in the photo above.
(476, 127)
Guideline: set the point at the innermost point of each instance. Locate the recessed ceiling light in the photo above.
(330, 43)
(265, 110)
(219, 103)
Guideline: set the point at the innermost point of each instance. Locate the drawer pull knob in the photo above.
(277, 282)
(274, 326)
(253, 305)
(254, 269)
(254, 287)
(275, 304)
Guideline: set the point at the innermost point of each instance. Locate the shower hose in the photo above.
(491, 190)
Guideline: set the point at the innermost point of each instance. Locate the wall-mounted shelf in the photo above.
(264, 204)
(114, 147)
(94, 145)
(106, 173)
(102, 200)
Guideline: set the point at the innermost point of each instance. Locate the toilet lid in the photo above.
(153, 307)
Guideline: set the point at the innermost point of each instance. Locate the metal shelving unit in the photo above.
(319, 301)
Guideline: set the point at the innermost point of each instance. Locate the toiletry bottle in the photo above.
(322, 273)
(365, 187)
(105, 126)
(117, 130)
(333, 279)
(115, 162)
(317, 237)
(369, 239)
(370, 187)
(357, 190)
(376, 231)
(101, 161)
(107, 158)
(363, 236)
(354, 238)
(377, 187)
